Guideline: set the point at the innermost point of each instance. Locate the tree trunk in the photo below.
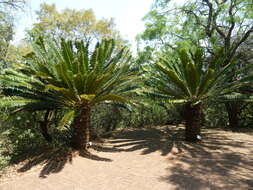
(192, 122)
(44, 127)
(233, 110)
(81, 126)
(44, 132)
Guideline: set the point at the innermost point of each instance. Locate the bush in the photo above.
(107, 118)
(215, 115)
(20, 134)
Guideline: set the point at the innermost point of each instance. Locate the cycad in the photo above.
(69, 76)
(192, 81)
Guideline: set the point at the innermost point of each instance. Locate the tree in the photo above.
(192, 81)
(73, 24)
(6, 34)
(207, 23)
(7, 28)
(70, 78)
(213, 23)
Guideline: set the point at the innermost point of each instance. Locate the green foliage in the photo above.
(246, 116)
(103, 121)
(63, 75)
(191, 80)
(149, 114)
(19, 134)
(6, 35)
(215, 115)
(72, 24)
(67, 76)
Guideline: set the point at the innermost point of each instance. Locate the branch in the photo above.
(219, 30)
(231, 28)
(16, 4)
(170, 46)
(237, 45)
(210, 16)
(190, 12)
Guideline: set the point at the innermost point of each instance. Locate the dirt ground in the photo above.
(144, 159)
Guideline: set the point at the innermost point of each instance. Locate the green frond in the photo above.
(87, 97)
(194, 80)
(66, 120)
(14, 102)
(174, 78)
(177, 101)
(68, 74)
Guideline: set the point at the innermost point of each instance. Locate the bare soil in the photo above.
(143, 159)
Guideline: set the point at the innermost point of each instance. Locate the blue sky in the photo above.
(128, 14)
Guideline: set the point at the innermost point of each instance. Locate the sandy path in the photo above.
(148, 159)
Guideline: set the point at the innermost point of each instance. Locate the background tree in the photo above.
(7, 10)
(6, 35)
(206, 23)
(74, 24)
(7, 24)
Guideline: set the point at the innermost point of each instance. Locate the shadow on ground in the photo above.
(221, 161)
(53, 161)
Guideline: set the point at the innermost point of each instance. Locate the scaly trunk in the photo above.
(81, 126)
(232, 110)
(192, 122)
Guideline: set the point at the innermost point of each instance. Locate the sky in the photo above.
(127, 14)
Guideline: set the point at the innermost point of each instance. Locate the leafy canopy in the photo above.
(191, 79)
(68, 75)
(74, 24)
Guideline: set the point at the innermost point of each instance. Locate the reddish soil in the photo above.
(145, 159)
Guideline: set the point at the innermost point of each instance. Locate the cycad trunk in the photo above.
(192, 122)
(81, 126)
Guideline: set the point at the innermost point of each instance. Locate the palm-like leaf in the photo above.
(192, 80)
(67, 75)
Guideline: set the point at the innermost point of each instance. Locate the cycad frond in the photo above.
(190, 80)
(67, 75)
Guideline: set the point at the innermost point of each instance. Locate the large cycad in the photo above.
(69, 76)
(192, 81)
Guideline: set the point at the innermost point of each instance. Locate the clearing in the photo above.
(144, 159)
